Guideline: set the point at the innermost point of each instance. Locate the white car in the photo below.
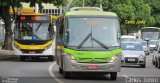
(133, 54)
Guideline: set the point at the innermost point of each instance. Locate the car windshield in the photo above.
(33, 31)
(144, 43)
(132, 46)
(127, 39)
(92, 32)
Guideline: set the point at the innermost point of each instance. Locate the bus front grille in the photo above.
(32, 51)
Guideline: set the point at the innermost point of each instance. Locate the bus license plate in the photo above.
(92, 67)
(131, 60)
(32, 52)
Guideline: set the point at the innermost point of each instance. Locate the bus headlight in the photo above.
(48, 47)
(70, 56)
(16, 46)
(112, 59)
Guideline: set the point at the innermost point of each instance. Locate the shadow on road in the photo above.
(94, 78)
(131, 66)
(17, 59)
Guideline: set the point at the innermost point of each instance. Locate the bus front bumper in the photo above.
(47, 52)
(74, 66)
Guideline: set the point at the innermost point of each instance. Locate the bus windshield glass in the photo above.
(92, 32)
(32, 30)
(152, 34)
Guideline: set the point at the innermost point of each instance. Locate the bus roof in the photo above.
(151, 28)
(90, 13)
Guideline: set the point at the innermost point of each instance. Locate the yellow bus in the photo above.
(34, 36)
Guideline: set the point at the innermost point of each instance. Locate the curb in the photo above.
(3, 58)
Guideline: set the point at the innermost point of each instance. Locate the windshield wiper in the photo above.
(80, 45)
(38, 26)
(100, 43)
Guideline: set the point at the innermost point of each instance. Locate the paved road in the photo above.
(128, 74)
(26, 72)
(47, 72)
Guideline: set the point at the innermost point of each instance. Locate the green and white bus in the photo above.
(88, 41)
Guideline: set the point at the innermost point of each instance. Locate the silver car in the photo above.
(133, 53)
(152, 45)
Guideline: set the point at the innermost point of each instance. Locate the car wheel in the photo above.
(143, 66)
(113, 75)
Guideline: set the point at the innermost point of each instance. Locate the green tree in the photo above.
(126, 10)
(155, 11)
(5, 14)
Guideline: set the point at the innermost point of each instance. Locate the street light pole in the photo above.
(83, 3)
(101, 4)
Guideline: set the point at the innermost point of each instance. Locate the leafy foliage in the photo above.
(146, 10)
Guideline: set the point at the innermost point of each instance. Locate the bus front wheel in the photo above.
(113, 75)
(60, 70)
(67, 74)
(22, 58)
(50, 58)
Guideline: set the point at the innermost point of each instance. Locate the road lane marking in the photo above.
(52, 74)
(125, 76)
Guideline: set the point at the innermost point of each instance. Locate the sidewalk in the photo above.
(4, 54)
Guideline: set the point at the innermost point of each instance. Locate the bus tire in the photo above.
(50, 58)
(22, 58)
(60, 70)
(67, 74)
(113, 75)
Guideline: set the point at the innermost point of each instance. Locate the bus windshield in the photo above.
(32, 27)
(32, 31)
(92, 32)
(150, 35)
